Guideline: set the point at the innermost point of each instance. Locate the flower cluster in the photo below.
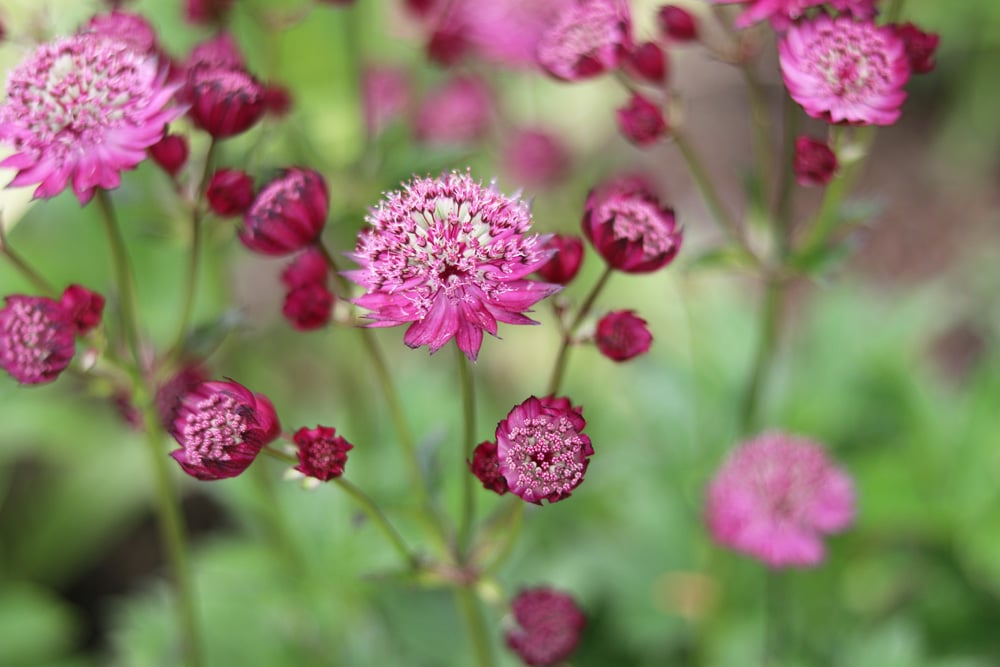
(548, 626)
(322, 453)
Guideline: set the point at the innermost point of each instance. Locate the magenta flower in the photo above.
(920, 47)
(542, 450)
(221, 427)
(647, 62)
(621, 335)
(641, 121)
(549, 625)
(170, 392)
(814, 162)
(458, 111)
(486, 467)
(36, 338)
(219, 51)
(535, 158)
(782, 13)
(132, 29)
(170, 153)
(775, 498)
(322, 453)
(83, 308)
(677, 23)
(566, 260)
(629, 228)
(230, 192)
(288, 214)
(589, 38)
(225, 101)
(449, 256)
(507, 32)
(385, 95)
(844, 71)
(80, 110)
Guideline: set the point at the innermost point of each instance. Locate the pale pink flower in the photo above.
(507, 31)
(449, 257)
(535, 157)
(80, 110)
(385, 94)
(458, 111)
(775, 498)
(845, 71)
(782, 13)
(588, 38)
(548, 628)
(130, 28)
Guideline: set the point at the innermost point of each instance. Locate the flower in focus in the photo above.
(589, 38)
(170, 153)
(80, 110)
(308, 301)
(83, 307)
(535, 158)
(920, 47)
(621, 335)
(449, 257)
(549, 625)
(677, 23)
(485, 466)
(385, 94)
(814, 162)
(629, 228)
(542, 450)
(845, 71)
(456, 112)
(782, 13)
(322, 453)
(641, 121)
(775, 498)
(221, 427)
(288, 214)
(36, 338)
(229, 192)
(566, 259)
(225, 101)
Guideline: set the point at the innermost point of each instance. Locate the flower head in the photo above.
(589, 38)
(641, 121)
(225, 101)
(566, 259)
(782, 13)
(322, 453)
(36, 338)
(449, 256)
(647, 62)
(814, 162)
(677, 23)
(170, 153)
(308, 301)
(486, 467)
(288, 214)
(385, 94)
(542, 450)
(80, 110)
(221, 427)
(456, 112)
(775, 497)
(920, 47)
(845, 71)
(130, 28)
(83, 307)
(549, 625)
(629, 228)
(621, 335)
(535, 158)
(230, 192)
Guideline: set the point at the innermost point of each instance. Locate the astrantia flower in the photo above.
(535, 157)
(507, 31)
(566, 261)
(288, 214)
(80, 110)
(542, 450)
(641, 121)
(845, 71)
(449, 256)
(549, 625)
(621, 335)
(486, 467)
(629, 227)
(126, 27)
(225, 101)
(221, 427)
(458, 111)
(36, 338)
(677, 23)
(589, 38)
(920, 47)
(322, 453)
(83, 307)
(230, 192)
(775, 498)
(170, 152)
(308, 301)
(814, 163)
(781, 13)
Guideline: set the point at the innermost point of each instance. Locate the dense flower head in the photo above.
(775, 498)
(677, 23)
(566, 259)
(622, 335)
(230, 192)
(647, 62)
(170, 392)
(535, 157)
(36, 338)
(486, 467)
(288, 214)
(920, 47)
(225, 101)
(542, 450)
(449, 256)
(629, 228)
(814, 163)
(845, 71)
(589, 38)
(170, 153)
(308, 301)
(458, 111)
(782, 13)
(641, 121)
(133, 29)
(80, 110)
(221, 427)
(322, 453)
(83, 307)
(549, 625)
(385, 95)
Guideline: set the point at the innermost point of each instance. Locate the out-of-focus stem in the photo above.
(25, 269)
(378, 517)
(471, 609)
(766, 344)
(273, 517)
(123, 276)
(760, 121)
(468, 390)
(783, 202)
(507, 547)
(559, 369)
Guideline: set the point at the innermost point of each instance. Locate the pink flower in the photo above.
(309, 301)
(322, 453)
(132, 29)
(449, 256)
(782, 13)
(169, 393)
(542, 450)
(775, 498)
(814, 163)
(641, 121)
(230, 192)
(589, 38)
(456, 112)
(508, 32)
(629, 228)
(622, 336)
(219, 51)
(647, 62)
(170, 153)
(566, 260)
(206, 12)
(535, 158)
(677, 23)
(221, 427)
(81, 110)
(36, 338)
(385, 94)
(549, 625)
(225, 101)
(920, 47)
(288, 214)
(486, 467)
(844, 71)
(82, 307)
(277, 100)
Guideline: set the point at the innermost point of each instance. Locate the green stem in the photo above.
(273, 517)
(472, 611)
(760, 121)
(786, 186)
(895, 11)
(469, 439)
(766, 346)
(378, 517)
(507, 547)
(123, 276)
(775, 632)
(26, 270)
(559, 369)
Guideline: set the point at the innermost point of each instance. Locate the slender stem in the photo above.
(26, 270)
(378, 517)
(559, 369)
(775, 632)
(786, 186)
(469, 443)
(273, 517)
(123, 276)
(761, 124)
(766, 345)
(507, 547)
(468, 605)
(194, 258)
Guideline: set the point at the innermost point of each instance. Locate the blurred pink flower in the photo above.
(133, 29)
(486, 467)
(566, 259)
(288, 214)
(535, 158)
(322, 453)
(508, 31)
(385, 94)
(83, 308)
(622, 335)
(170, 153)
(549, 626)
(458, 111)
(641, 121)
(588, 38)
(814, 162)
(308, 301)
(225, 101)
(230, 192)
(37, 338)
(782, 13)
(920, 47)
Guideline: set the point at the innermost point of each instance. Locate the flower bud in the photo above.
(647, 62)
(170, 153)
(230, 192)
(548, 626)
(676, 23)
(36, 338)
(277, 100)
(288, 214)
(814, 162)
(83, 307)
(485, 466)
(322, 453)
(622, 336)
(641, 122)
(225, 101)
(565, 263)
(920, 47)
(309, 301)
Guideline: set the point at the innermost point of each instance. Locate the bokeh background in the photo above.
(890, 359)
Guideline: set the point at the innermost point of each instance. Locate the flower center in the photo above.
(213, 428)
(546, 454)
(28, 338)
(639, 221)
(853, 63)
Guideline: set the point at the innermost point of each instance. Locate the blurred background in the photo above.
(890, 359)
